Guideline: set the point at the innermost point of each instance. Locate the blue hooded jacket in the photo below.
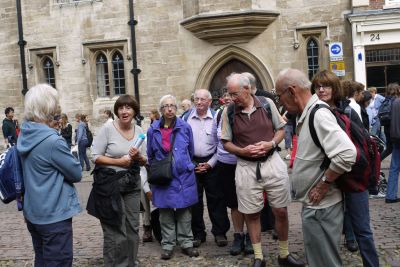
(182, 192)
(49, 173)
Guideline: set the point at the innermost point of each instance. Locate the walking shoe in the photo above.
(248, 247)
(274, 235)
(191, 252)
(237, 244)
(392, 200)
(258, 263)
(221, 240)
(166, 254)
(198, 240)
(147, 235)
(287, 157)
(291, 261)
(351, 245)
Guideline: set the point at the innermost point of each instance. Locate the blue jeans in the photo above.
(376, 130)
(83, 158)
(52, 243)
(394, 171)
(357, 207)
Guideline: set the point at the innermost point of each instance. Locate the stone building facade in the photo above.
(84, 49)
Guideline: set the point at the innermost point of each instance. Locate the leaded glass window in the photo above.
(102, 76)
(312, 58)
(118, 73)
(48, 69)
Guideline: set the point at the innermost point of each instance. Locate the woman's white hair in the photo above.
(41, 103)
(163, 98)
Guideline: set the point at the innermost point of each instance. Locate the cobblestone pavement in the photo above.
(16, 248)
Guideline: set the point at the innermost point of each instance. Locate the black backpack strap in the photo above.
(266, 106)
(231, 114)
(219, 115)
(314, 136)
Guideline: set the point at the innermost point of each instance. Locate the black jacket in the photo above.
(9, 131)
(105, 202)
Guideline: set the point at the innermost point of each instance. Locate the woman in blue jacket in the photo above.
(50, 170)
(175, 199)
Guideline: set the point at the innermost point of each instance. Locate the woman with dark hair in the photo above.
(364, 102)
(66, 129)
(118, 161)
(328, 89)
(109, 115)
(81, 140)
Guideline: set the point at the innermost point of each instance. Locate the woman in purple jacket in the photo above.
(174, 200)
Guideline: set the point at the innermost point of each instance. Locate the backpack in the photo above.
(365, 172)
(89, 136)
(11, 177)
(385, 110)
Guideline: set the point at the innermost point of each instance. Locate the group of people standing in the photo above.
(230, 156)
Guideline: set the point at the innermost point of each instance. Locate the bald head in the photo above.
(289, 77)
(186, 104)
(238, 79)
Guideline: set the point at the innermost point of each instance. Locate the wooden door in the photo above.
(218, 83)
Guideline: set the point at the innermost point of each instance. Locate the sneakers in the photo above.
(291, 261)
(351, 245)
(166, 254)
(287, 157)
(248, 247)
(147, 235)
(191, 252)
(221, 240)
(238, 244)
(389, 201)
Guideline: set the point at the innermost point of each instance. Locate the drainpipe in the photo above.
(22, 43)
(135, 71)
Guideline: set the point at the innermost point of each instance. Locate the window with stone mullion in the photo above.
(312, 58)
(118, 74)
(48, 69)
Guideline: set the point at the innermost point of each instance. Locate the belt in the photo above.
(202, 159)
(259, 160)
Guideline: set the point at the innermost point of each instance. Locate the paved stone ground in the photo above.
(16, 248)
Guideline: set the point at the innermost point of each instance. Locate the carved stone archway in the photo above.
(211, 67)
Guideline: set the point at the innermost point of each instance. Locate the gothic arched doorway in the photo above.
(218, 82)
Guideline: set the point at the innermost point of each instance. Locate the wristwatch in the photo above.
(325, 180)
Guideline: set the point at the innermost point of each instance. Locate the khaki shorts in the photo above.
(275, 181)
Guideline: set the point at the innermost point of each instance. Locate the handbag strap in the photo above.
(172, 145)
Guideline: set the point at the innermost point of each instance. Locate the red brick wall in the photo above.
(376, 4)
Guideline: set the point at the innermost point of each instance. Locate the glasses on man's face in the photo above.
(279, 96)
(167, 106)
(235, 94)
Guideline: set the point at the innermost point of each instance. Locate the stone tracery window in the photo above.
(312, 58)
(48, 71)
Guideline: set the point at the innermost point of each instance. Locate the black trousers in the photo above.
(217, 212)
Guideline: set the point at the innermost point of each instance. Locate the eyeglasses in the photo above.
(235, 94)
(278, 96)
(323, 87)
(172, 106)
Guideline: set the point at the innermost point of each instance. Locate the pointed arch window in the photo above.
(102, 76)
(118, 73)
(312, 57)
(48, 70)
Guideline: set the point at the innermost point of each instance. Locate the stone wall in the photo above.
(170, 57)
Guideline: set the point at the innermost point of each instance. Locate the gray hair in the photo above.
(41, 103)
(294, 76)
(207, 93)
(251, 78)
(241, 79)
(163, 98)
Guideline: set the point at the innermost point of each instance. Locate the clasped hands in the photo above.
(257, 150)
